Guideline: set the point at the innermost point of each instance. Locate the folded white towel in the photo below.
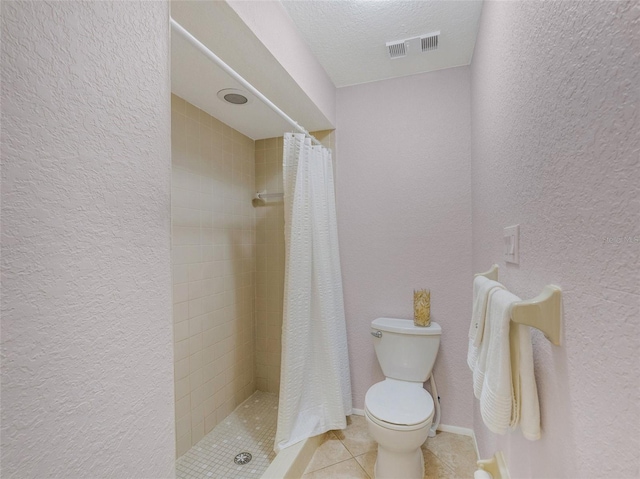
(496, 396)
(482, 352)
(482, 287)
(504, 378)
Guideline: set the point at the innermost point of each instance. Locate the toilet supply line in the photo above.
(436, 402)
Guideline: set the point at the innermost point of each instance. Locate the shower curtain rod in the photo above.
(236, 76)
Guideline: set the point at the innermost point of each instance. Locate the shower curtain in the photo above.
(315, 388)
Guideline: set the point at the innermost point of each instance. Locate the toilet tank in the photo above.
(405, 351)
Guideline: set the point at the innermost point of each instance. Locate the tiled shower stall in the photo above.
(213, 254)
(228, 268)
(269, 264)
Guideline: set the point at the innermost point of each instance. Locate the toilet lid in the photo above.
(399, 402)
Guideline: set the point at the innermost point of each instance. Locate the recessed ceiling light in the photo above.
(234, 96)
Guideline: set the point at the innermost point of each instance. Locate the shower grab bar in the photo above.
(236, 76)
(544, 312)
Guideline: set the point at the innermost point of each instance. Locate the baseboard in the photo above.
(463, 431)
(475, 444)
(357, 412)
(496, 466)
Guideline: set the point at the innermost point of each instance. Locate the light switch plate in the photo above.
(512, 244)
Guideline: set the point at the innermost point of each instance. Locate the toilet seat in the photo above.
(399, 405)
(397, 427)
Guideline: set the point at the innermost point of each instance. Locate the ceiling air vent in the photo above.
(429, 42)
(397, 49)
(413, 46)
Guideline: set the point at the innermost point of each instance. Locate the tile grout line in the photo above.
(448, 465)
(361, 467)
(451, 465)
(336, 463)
(353, 457)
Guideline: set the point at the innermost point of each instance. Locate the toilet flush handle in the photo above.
(377, 334)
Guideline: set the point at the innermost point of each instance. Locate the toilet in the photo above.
(398, 410)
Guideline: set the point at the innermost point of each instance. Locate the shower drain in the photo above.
(242, 458)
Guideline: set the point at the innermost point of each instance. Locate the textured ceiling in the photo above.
(348, 37)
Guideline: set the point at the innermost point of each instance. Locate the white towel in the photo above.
(504, 379)
(482, 352)
(525, 391)
(496, 395)
(482, 287)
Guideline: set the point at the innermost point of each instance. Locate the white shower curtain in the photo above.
(315, 388)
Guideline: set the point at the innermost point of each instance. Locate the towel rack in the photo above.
(492, 274)
(544, 312)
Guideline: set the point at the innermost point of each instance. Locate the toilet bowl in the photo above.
(399, 415)
(398, 410)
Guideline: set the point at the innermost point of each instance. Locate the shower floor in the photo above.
(250, 428)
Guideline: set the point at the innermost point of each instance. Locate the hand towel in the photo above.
(526, 409)
(482, 287)
(496, 396)
(482, 352)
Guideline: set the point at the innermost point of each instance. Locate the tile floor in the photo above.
(250, 428)
(351, 454)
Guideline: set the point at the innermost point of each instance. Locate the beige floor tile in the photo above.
(356, 436)
(434, 468)
(368, 461)
(464, 469)
(455, 450)
(446, 456)
(349, 469)
(330, 452)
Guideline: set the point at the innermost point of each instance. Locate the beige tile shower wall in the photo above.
(213, 235)
(270, 260)
(269, 265)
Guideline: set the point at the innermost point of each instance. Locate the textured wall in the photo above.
(404, 219)
(555, 148)
(87, 387)
(213, 270)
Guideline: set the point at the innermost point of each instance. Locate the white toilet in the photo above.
(399, 411)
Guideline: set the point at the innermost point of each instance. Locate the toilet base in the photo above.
(397, 465)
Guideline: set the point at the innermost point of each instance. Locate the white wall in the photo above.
(271, 23)
(87, 383)
(556, 137)
(403, 191)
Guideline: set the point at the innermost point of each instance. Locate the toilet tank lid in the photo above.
(405, 326)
